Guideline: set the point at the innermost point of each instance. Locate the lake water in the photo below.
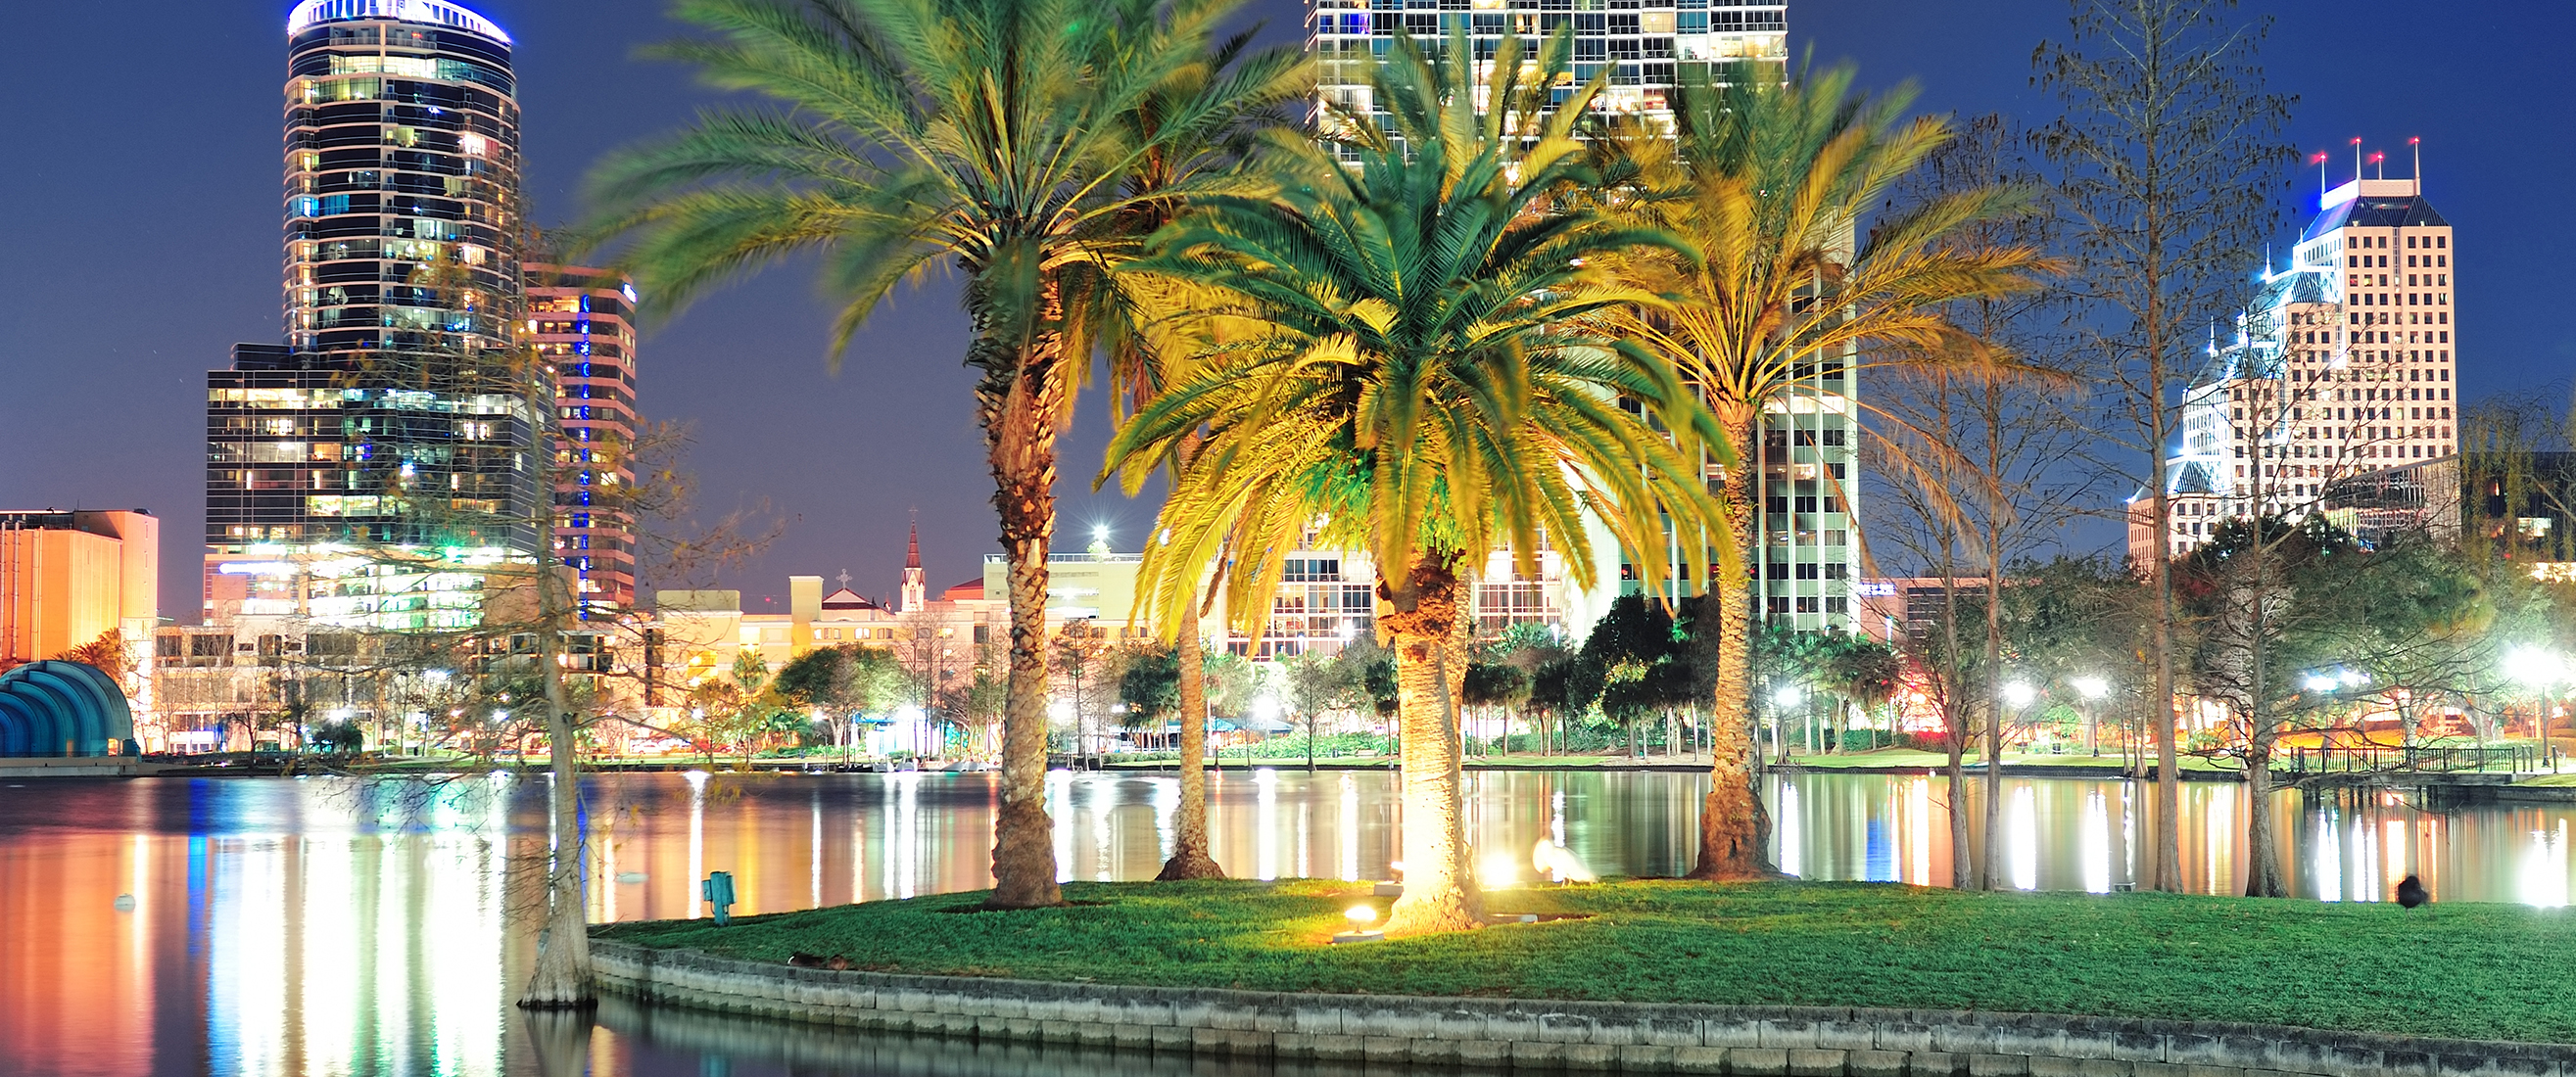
(331, 927)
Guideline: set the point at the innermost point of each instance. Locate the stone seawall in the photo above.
(1546, 1035)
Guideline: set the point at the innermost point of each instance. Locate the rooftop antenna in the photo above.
(2417, 144)
(2381, 160)
(2356, 160)
(2320, 162)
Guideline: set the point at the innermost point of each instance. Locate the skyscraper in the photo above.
(1804, 562)
(358, 471)
(1642, 43)
(581, 321)
(2340, 371)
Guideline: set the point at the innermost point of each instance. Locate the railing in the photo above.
(2414, 759)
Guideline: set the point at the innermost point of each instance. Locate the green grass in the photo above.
(2454, 970)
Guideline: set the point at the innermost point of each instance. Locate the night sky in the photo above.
(140, 232)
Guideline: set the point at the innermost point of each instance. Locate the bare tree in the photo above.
(2166, 159)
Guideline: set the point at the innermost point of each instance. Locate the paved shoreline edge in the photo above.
(1543, 1035)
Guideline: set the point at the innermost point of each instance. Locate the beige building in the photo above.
(2342, 369)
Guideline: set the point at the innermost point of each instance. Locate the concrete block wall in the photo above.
(1543, 1035)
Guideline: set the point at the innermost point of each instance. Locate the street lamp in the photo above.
(2538, 670)
(2092, 689)
(1782, 698)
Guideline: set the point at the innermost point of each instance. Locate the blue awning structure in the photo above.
(56, 708)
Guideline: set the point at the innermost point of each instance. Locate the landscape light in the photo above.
(1786, 696)
(1360, 917)
(2019, 694)
(2092, 687)
(2322, 682)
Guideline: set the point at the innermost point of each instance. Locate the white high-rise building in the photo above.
(1643, 44)
(2341, 370)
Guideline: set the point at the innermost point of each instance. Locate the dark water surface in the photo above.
(333, 927)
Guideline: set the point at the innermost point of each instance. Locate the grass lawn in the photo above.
(2456, 970)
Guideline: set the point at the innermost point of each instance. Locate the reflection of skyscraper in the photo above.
(388, 442)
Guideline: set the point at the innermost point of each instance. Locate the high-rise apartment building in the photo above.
(1804, 563)
(2341, 369)
(581, 321)
(1643, 44)
(359, 471)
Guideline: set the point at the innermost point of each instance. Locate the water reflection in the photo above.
(310, 926)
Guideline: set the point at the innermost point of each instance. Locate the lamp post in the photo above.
(2538, 670)
(1782, 698)
(2092, 689)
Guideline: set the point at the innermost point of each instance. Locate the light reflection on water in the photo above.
(322, 927)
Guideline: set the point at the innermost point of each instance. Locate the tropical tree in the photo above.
(1420, 384)
(1768, 183)
(994, 137)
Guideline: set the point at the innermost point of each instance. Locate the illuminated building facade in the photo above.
(1643, 44)
(68, 577)
(360, 472)
(2341, 369)
(582, 321)
(1806, 561)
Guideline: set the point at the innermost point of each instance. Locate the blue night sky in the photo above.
(139, 215)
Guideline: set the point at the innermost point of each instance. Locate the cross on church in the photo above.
(845, 579)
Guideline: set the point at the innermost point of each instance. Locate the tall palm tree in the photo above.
(1416, 382)
(1767, 181)
(997, 137)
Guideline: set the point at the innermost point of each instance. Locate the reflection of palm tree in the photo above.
(1416, 381)
(984, 134)
(1766, 180)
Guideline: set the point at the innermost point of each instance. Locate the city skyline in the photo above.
(848, 456)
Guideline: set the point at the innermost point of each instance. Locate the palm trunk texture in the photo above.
(1430, 668)
(1190, 858)
(1018, 407)
(1734, 828)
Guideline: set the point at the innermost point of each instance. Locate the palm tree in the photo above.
(996, 137)
(1418, 384)
(1767, 181)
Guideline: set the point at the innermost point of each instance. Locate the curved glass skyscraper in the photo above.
(402, 178)
(358, 470)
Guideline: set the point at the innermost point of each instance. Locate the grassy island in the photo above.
(2470, 971)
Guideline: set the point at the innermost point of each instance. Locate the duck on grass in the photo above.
(2468, 971)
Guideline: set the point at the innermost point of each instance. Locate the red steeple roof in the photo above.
(912, 549)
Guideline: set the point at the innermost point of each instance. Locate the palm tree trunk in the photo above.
(1019, 401)
(1430, 668)
(1734, 828)
(1190, 859)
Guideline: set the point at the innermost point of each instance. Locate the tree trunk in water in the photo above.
(1019, 401)
(1190, 859)
(1734, 828)
(1962, 853)
(562, 977)
(1988, 878)
(2262, 860)
(1424, 620)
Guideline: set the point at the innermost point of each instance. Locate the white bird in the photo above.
(1554, 862)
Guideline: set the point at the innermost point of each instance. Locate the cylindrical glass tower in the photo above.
(402, 178)
(399, 427)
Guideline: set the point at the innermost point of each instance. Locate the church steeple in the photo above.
(915, 593)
